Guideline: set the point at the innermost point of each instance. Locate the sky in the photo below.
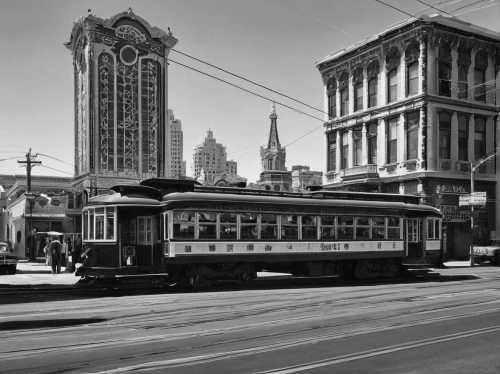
(274, 43)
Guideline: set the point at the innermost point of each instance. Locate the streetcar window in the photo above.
(165, 226)
(144, 230)
(378, 228)
(110, 223)
(85, 225)
(99, 224)
(362, 228)
(394, 228)
(207, 225)
(91, 224)
(289, 227)
(430, 229)
(412, 233)
(269, 226)
(183, 225)
(132, 230)
(346, 227)
(249, 226)
(327, 227)
(309, 227)
(228, 226)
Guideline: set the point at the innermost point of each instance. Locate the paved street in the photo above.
(445, 324)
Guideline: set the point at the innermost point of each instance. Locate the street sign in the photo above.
(473, 199)
(479, 193)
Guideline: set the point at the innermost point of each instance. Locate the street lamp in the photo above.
(473, 168)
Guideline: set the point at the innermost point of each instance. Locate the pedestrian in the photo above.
(46, 250)
(64, 253)
(31, 245)
(77, 248)
(55, 255)
(71, 255)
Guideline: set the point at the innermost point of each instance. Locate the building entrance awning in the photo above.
(47, 216)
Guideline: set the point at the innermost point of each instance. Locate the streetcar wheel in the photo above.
(246, 278)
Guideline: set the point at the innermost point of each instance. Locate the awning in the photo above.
(47, 216)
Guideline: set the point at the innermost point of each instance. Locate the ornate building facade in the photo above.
(120, 74)
(274, 175)
(410, 109)
(303, 176)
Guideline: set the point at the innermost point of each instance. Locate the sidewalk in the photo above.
(31, 274)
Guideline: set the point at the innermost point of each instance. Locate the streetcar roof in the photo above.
(193, 198)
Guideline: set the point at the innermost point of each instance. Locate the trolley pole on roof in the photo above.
(473, 168)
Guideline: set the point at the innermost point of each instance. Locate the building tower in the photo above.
(210, 160)
(120, 73)
(176, 146)
(274, 174)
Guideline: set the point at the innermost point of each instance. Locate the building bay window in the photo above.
(463, 85)
(332, 98)
(358, 91)
(344, 101)
(412, 126)
(332, 151)
(392, 140)
(345, 150)
(444, 134)
(393, 86)
(412, 83)
(372, 143)
(358, 148)
(372, 92)
(444, 79)
(479, 138)
(463, 138)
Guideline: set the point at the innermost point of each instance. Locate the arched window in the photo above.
(372, 92)
(344, 101)
(444, 70)
(463, 85)
(358, 97)
(479, 138)
(412, 126)
(393, 86)
(412, 77)
(481, 63)
(358, 148)
(332, 98)
(332, 154)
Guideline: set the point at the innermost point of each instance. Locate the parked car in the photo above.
(8, 260)
(490, 253)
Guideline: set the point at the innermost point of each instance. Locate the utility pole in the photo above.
(29, 196)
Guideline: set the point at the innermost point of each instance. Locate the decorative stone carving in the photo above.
(481, 60)
(131, 34)
(392, 59)
(423, 64)
(344, 79)
(445, 53)
(372, 69)
(331, 86)
(357, 75)
(412, 51)
(464, 55)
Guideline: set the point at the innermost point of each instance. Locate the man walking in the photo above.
(31, 244)
(55, 255)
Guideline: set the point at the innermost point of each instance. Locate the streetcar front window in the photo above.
(99, 223)
(394, 228)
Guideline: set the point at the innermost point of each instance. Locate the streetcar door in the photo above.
(414, 238)
(145, 239)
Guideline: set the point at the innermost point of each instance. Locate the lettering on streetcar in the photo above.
(211, 247)
(268, 248)
(187, 248)
(249, 247)
(229, 247)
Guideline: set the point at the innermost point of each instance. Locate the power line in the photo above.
(473, 10)
(41, 154)
(243, 89)
(248, 80)
(390, 6)
(465, 6)
(10, 158)
(441, 3)
(433, 7)
(45, 166)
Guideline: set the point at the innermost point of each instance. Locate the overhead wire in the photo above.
(244, 89)
(247, 80)
(61, 171)
(473, 10)
(390, 6)
(44, 155)
(433, 7)
(468, 5)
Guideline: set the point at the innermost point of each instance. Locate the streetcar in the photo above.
(168, 232)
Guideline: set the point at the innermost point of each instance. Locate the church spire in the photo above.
(274, 141)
